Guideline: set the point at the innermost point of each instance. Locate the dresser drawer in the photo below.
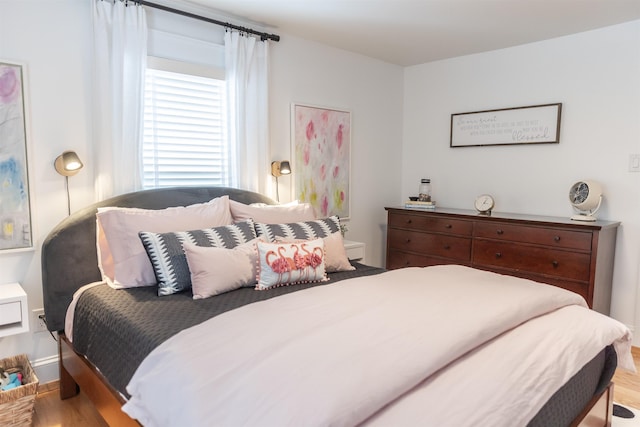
(399, 259)
(552, 237)
(442, 245)
(539, 260)
(579, 287)
(430, 223)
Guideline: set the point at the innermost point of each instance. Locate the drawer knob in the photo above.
(408, 240)
(409, 221)
(499, 231)
(554, 263)
(498, 254)
(448, 226)
(447, 247)
(556, 238)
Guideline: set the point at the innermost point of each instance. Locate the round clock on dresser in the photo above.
(484, 204)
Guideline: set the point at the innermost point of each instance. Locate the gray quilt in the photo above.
(117, 329)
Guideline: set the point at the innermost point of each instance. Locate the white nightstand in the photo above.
(355, 250)
(14, 312)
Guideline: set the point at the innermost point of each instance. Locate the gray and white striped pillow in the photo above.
(305, 230)
(169, 260)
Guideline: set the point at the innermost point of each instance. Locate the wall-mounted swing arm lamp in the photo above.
(279, 169)
(68, 164)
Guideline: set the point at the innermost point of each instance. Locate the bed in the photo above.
(393, 348)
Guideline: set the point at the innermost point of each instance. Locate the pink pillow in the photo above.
(122, 259)
(272, 214)
(336, 258)
(218, 270)
(290, 263)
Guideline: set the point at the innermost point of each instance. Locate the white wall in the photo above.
(596, 76)
(53, 39)
(313, 74)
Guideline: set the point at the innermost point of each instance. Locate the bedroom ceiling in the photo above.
(409, 32)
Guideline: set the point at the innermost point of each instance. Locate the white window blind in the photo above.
(184, 140)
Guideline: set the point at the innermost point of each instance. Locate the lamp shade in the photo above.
(285, 167)
(68, 163)
(280, 168)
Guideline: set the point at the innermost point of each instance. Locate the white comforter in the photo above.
(337, 354)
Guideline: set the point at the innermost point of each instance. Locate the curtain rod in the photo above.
(263, 36)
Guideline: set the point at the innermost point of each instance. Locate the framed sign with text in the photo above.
(536, 124)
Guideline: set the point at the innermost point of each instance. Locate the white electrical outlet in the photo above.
(37, 320)
(634, 162)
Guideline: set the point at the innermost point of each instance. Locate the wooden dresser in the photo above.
(573, 255)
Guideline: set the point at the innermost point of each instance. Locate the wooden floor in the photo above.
(626, 390)
(50, 411)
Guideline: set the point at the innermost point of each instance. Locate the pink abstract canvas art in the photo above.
(15, 208)
(322, 156)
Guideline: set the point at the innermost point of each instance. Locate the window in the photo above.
(185, 138)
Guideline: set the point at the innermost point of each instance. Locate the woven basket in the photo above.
(16, 405)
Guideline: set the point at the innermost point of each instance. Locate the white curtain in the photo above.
(120, 54)
(246, 63)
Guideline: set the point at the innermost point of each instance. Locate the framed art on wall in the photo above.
(15, 202)
(535, 124)
(322, 158)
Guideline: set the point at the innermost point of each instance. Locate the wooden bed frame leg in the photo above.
(68, 386)
(599, 412)
(76, 372)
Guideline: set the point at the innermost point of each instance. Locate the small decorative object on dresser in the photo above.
(557, 251)
(585, 198)
(424, 191)
(484, 204)
(416, 204)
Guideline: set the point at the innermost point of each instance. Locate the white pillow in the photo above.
(272, 214)
(122, 259)
(336, 258)
(218, 270)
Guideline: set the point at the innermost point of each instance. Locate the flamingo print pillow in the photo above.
(290, 263)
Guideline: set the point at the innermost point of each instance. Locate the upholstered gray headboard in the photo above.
(69, 257)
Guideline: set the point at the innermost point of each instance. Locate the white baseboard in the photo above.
(46, 369)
